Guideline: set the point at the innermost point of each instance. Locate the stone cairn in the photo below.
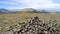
(33, 26)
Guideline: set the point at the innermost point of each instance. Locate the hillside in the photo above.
(7, 20)
(25, 10)
(23, 15)
(2, 10)
(34, 26)
(28, 10)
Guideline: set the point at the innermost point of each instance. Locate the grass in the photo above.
(19, 17)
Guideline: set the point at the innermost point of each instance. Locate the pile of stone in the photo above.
(33, 26)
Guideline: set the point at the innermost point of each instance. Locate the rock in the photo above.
(34, 26)
(9, 32)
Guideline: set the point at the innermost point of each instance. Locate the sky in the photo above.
(36, 4)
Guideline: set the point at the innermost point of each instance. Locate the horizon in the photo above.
(35, 4)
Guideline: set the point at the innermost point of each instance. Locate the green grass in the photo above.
(19, 17)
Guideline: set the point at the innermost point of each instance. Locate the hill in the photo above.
(28, 10)
(2, 10)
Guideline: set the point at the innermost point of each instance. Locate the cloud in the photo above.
(8, 2)
(46, 6)
(29, 1)
(33, 3)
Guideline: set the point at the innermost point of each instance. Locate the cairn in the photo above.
(33, 26)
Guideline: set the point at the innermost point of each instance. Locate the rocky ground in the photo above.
(34, 26)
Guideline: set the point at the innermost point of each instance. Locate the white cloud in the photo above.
(34, 3)
(46, 6)
(31, 1)
(8, 2)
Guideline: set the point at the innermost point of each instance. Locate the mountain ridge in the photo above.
(27, 10)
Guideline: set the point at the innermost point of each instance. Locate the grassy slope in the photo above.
(15, 18)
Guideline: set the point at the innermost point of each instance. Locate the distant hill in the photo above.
(31, 10)
(57, 12)
(27, 10)
(44, 12)
(3, 10)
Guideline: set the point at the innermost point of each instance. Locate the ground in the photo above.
(7, 20)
